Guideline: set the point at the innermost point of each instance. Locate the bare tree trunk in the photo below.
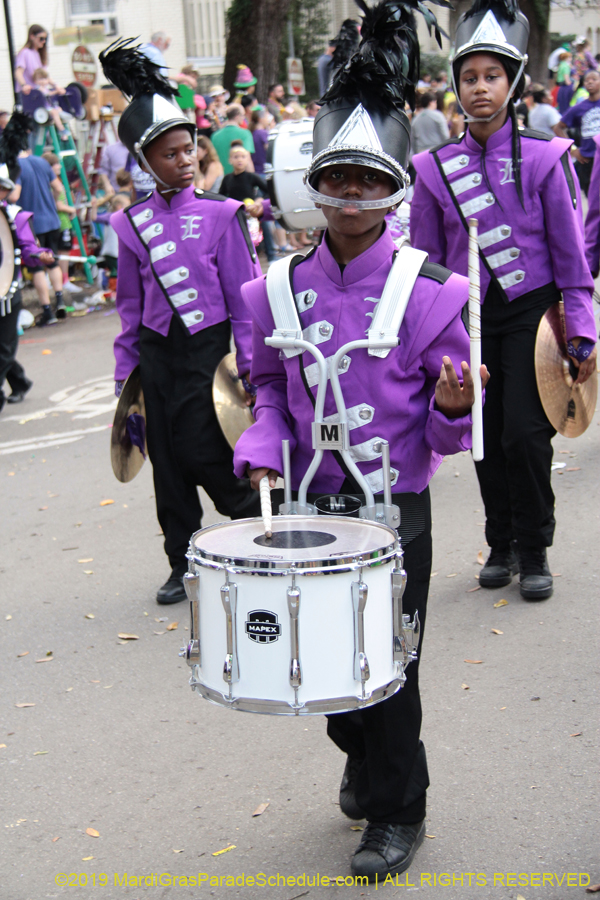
(255, 41)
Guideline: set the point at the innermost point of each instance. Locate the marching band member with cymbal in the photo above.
(412, 397)
(183, 257)
(521, 186)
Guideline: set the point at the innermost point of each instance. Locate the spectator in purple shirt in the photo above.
(584, 117)
(260, 121)
(33, 55)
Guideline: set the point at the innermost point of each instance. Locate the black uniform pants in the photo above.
(514, 476)
(185, 443)
(10, 369)
(392, 782)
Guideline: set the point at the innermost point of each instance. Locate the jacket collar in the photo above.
(177, 200)
(361, 266)
(500, 137)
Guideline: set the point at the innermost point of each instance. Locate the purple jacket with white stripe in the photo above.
(189, 258)
(524, 248)
(391, 398)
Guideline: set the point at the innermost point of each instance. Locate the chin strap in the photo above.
(511, 90)
(158, 180)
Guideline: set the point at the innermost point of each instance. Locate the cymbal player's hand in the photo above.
(452, 399)
(255, 476)
(587, 367)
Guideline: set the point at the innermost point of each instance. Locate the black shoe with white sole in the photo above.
(387, 849)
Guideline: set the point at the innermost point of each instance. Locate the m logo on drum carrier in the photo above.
(262, 626)
(330, 436)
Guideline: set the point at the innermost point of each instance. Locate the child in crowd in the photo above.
(247, 187)
(42, 83)
(66, 214)
(183, 257)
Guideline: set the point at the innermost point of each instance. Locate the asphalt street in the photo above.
(105, 735)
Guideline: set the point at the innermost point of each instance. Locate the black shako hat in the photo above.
(362, 120)
(493, 26)
(152, 109)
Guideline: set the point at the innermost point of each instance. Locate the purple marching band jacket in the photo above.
(522, 249)
(25, 237)
(187, 259)
(592, 221)
(388, 398)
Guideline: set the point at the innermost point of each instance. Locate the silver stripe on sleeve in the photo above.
(357, 416)
(311, 372)
(455, 164)
(151, 232)
(182, 298)
(466, 184)
(142, 217)
(477, 204)
(318, 332)
(488, 238)
(511, 279)
(192, 318)
(503, 258)
(173, 277)
(162, 250)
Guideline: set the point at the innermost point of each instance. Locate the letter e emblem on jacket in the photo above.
(190, 224)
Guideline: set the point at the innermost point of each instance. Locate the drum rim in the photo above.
(315, 566)
(310, 708)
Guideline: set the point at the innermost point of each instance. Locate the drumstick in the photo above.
(475, 334)
(265, 505)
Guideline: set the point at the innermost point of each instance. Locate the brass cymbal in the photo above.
(229, 398)
(126, 458)
(569, 406)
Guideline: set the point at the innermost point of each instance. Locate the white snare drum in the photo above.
(307, 622)
(289, 152)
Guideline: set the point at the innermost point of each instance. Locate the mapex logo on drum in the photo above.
(306, 148)
(262, 626)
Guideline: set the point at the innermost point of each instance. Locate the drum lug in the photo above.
(293, 602)
(191, 653)
(412, 632)
(398, 585)
(231, 671)
(360, 592)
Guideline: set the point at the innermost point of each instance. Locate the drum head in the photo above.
(305, 541)
(7, 252)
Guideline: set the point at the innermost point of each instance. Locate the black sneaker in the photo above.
(536, 578)
(18, 396)
(348, 803)
(498, 571)
(172, 591)
(387, 849)
(61, 312)
(47, 317)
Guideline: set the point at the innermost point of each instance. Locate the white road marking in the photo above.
(82, 400)
(48, 440)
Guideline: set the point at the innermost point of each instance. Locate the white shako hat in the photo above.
(152, 109)
(363, 120)
(493, 26)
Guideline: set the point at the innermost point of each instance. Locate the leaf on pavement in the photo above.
(520, 897)
(431, 836)
(465, 687)
(106, 502)
(67, 690)
(177, 851)
(592, 889)
(54, 840)
(576, 734)
(477, 588)
(46, 352)
(42, 508)
(356, 828)
(497, 631)
(87, 559)
(23, 705)
(45, 659)
(260, 809)
(172, 626)
(24, 653)
(453, 575)
(88, 571)
(573, 469)
(8, 617)
(480, 559)
(86, 858)
(161, 619)
(224, 850)
(2, 746)
(92, 832)
(158, 632)
(127, 637)
(40, 752)
(89, 616)
(500, 603)
(474, 662)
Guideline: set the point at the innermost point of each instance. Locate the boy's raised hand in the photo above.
(451, 398)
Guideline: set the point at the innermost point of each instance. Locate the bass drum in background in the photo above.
(289, 152)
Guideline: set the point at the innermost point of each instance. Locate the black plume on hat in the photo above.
(15, 138)
(384, 71)
(132, 72)
(346, 43)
